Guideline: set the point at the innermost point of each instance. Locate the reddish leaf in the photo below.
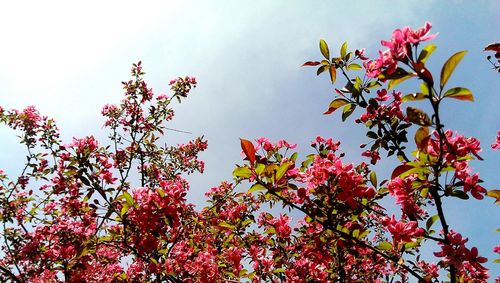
(459, 93)
(336, 104)
(248, 149)
(311, 63)
(333, 74)
(424, 73)
(493, 47)
(400, 170)
(421, 135)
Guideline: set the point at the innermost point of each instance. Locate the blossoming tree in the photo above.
(89, 211)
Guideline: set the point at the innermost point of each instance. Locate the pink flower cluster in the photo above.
(455, 153)
(399, 49)
(406, 195)
(402, 232)
(182, 86)
(466, 261)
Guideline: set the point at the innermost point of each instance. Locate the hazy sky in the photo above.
(69, 59)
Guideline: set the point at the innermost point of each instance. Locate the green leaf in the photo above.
(333, 73)
(460, 194)
(259, 168)
(336, 104)
(460, 93)
(421, 134)
(324, 49)
(373, 178)
(426, 52)
(161, 192)
(411, 245)
(321, 69)
(425, 89)
(385, 246)
(373, 84)
(494, 194)
(242, 172)
(256, 187)
(347, 111)
(128, 198)
(399, 73)
(414, 97)
(354, 67)
(226, 225)
(449, 67)
(424, 192)
(124, 210)
(282, 170)
(431, 221)
(496, 260)
(394, 82)
(343, 50)
(279, 270)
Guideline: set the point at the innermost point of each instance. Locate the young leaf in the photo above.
(393, 83)
(128, 198)
(414, 97)
(421, 134)
(449, 67)
(354, 67)
(282, 170)
(460, 194)
(242, 172)
(426, 52)
(431, 221)
(259, 168)
(460, 93)
(385, 246)
(373, 178)
(494, 194)
(248, 149)
(336, 104)
(323, 47)
(321, 69)
(256, 187)
(347, 111)
(311, 63)
(343, 50)
(333, 73)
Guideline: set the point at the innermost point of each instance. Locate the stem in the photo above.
(10, 274)
(434, 190)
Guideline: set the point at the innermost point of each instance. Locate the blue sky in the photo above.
(69, 59)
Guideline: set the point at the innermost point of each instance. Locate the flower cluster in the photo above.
(466, 261)
(399, 49)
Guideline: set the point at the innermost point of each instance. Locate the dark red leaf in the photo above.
(424, 73)
(311, 63)
(400, 170)
(248, 149)
(493, 47)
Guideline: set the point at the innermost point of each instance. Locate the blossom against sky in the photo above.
(69, 59)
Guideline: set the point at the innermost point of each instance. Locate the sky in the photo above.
(68, 60)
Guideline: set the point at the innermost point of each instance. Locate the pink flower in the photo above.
(419, 35)
(374, 155)
(496, 145)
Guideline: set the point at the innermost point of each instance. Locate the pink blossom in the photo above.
(496, 145)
